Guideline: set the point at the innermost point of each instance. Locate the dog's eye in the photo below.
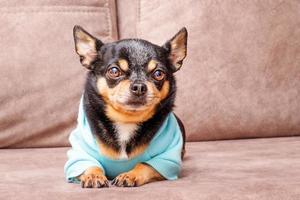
(114, 72)
(158, 75)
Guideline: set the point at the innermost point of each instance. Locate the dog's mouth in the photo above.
(134, 104)
(137, 101)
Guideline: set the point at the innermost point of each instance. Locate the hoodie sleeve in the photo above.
(168, 161)
(83, 153)
(80, 158)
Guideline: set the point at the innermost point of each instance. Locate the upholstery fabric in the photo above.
(41, 76)
(240, 169)
(241, 77)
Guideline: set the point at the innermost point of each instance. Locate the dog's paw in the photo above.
(93, 178)
(128, 179)
(93, 181)
(139, 175)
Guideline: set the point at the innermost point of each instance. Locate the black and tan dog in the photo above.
(129, 92)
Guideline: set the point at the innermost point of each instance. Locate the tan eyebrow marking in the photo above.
(152, 65)
(123, 64)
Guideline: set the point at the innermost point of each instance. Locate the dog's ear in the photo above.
(177, 48)
(86, 46)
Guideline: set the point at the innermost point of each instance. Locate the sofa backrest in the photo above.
(241, 78)
(41, 76)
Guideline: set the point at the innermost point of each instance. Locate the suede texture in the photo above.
(264, 169)
(241, 77)
(41, 76)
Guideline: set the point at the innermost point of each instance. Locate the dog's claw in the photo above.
(125, 184)
(90, 184)
(98, 184)
(106, 183)
(115, 181)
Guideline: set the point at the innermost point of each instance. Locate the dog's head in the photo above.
(132, 76)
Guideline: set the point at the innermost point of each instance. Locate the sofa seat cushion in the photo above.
(232, 169)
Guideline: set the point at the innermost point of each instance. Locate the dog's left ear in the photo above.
(86, 46)
(177, 48)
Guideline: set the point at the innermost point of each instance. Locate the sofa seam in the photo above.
(117, 25)
(108, 22)
(137, 17)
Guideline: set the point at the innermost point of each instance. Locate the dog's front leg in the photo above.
(139, 175)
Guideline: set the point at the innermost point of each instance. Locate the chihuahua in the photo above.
(126, 129)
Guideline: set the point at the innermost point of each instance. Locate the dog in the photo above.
(126, 129)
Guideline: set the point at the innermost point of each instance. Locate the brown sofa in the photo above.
(238, 94)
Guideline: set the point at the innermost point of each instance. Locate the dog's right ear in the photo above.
(86, 46)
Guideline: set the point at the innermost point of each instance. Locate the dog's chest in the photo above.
(125, 132)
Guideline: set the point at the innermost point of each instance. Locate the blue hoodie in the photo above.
(163, 152)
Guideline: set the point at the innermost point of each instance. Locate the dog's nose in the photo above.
(138, 89)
